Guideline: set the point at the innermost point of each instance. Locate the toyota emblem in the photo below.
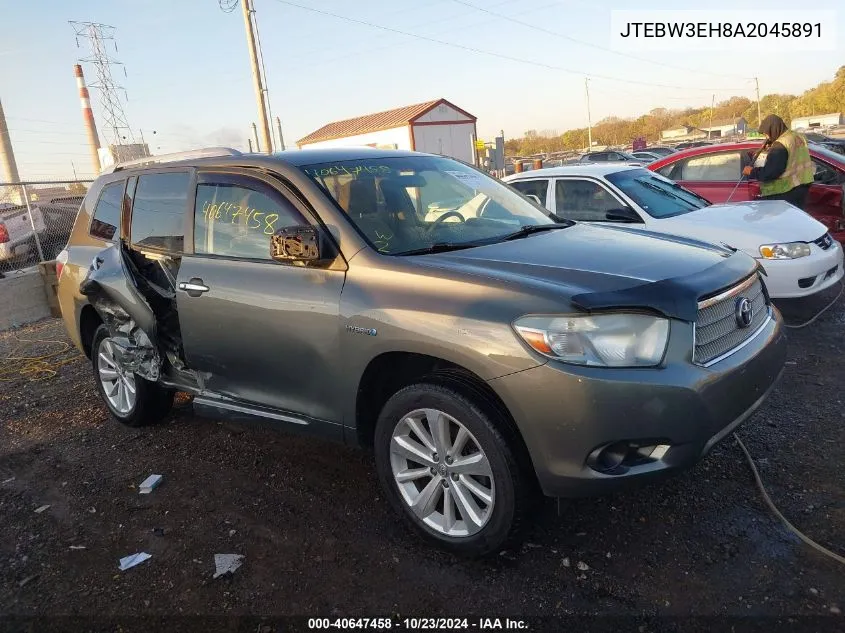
(744, 312)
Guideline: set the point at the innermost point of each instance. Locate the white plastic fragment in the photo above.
(41, 509)
(134, 559)
(226, 564)
(149, 484)
(9, 480)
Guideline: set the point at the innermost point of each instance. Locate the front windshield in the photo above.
(411, 203)
(656, 195)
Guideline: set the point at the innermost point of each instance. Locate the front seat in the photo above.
(364, 211)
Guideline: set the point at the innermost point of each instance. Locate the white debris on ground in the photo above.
(41, 509)
(149, 484)
(226, 564)
(134, 559)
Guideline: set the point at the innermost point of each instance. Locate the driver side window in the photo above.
(824, 174)
(236, 216)
(583, 200)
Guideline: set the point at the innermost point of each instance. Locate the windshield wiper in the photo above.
(438, 247)
(667, 194)
(706, 202)
(533, 228)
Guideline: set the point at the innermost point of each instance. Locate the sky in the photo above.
(188, 82)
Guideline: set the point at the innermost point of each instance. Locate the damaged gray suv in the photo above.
(415, 305)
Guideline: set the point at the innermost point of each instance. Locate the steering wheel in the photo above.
(443, 217)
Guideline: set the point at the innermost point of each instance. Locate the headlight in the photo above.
(603, 340)
(792, 250)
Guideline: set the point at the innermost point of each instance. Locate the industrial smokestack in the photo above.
(8, 166)
(88, 118)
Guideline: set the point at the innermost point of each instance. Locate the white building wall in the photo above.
(442, 112)
(453, 140)
(398, 136)
(821, 120)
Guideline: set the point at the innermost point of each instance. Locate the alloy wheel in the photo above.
(118, 384)
(442, 473)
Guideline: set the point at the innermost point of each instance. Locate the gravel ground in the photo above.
(318, 539)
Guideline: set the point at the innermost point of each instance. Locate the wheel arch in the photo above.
(389, 372)
(89, 321)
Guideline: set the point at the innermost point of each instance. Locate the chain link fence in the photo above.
(36, 219)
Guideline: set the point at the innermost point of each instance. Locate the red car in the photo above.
(714, 170)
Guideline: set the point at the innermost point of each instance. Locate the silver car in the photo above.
(412, 304)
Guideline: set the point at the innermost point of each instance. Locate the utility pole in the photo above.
(281, 138)
(759, 118)
(712, 105)
(589, 120)
(255, 136)
(256, 76)
(249, 140)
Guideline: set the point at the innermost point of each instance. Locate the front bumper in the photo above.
(816, 272)
(567, 413)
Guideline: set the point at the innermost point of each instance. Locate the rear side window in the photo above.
(711, 167)
(236, 217)
(537, 188)
(107, 212)
(158, 211)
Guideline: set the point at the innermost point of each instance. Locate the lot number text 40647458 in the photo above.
(418, 624)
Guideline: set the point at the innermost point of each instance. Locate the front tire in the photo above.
(131, 400)
(447, 468)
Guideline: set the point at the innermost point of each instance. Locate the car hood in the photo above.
(746, 225)
(605, 267)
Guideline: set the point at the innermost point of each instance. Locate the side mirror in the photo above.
(623, 214)
(296, 244)
(534, 198)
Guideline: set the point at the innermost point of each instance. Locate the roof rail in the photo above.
(206, 152)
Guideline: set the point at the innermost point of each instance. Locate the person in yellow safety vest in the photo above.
(788, 171)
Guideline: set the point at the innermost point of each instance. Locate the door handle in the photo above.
(195, 287)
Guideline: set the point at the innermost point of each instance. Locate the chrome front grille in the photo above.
(824, 242)
(717, 329)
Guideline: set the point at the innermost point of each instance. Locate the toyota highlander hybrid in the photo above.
(415, 305)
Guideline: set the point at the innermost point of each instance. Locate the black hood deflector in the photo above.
(676, 297)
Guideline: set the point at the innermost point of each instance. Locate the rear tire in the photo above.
(148, 404)
(469, 500)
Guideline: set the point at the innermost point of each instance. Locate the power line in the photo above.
(491, 53)
(591, 44)
(447, 18)
(463, 27)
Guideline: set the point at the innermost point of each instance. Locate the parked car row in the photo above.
(715, 173)
(483, 347)
(797, 253)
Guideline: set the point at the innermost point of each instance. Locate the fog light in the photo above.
(617, 458)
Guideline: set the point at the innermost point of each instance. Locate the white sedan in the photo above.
(799, 256)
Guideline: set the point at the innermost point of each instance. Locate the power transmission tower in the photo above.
(116, 124)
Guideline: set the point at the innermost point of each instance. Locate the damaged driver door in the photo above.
(263, 333)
